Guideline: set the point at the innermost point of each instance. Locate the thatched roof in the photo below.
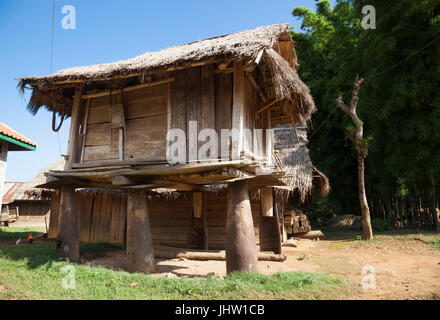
(292, 156)
(29, 188)
(253, 45)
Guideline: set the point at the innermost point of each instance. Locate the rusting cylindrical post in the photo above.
(67, 237)
(140, 254)
(241, 247)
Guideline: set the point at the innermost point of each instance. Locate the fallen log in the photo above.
(311, 235)
(164, 252)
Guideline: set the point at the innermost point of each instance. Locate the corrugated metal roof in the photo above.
(10, 193)
(5, 130)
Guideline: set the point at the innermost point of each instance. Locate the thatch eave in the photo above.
(252, 45)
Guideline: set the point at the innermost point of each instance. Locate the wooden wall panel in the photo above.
(102, 218)
(145, 138)
(146, 125)
(223, 101)
(178, 108)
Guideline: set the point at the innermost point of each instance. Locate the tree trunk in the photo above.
(241, 246)
(361, 150)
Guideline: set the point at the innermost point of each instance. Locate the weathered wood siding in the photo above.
(30, 210)
(145, 126)
(199, 94)
(102, 218)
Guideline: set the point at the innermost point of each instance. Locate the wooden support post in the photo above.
(205, 224)
(241, 246)
(266, 202)
(270, 233)
(140, 255)
(238, 101)
(197, 233)
(198, 204)
(72, 148)
(67, 237)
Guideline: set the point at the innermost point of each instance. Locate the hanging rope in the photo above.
(56, 129)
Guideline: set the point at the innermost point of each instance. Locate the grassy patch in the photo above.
(14, 233)
(436, 243)
(397, 239)
(36, 272)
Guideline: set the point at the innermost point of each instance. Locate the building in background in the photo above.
(10, 140)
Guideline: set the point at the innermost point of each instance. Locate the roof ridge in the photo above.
(15, 135)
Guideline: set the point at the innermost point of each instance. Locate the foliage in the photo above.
(321, 213)
(436, 243)
(381, 224)
(400, 107)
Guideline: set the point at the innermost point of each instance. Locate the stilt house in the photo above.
(192, 118)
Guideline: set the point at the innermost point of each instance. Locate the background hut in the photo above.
(29, 203)
(10, 140)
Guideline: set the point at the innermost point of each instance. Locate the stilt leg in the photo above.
(140, 255)
(241, 247)
(67, 237)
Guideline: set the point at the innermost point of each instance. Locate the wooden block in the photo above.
(266, 198)
(198, 204)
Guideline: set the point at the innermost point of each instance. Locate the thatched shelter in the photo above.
(27, 201)
(292, 156)
(193, 118)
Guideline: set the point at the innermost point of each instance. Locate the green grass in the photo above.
(436, 243)
(349, 237)
(35, 272)
(14, 233)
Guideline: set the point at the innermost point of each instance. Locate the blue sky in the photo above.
(106, 31)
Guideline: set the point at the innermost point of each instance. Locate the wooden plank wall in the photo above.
(199, 94)
(146, 125)
(102, 218)
(31, 210)
(196, 94)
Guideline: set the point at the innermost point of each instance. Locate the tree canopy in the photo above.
(399, 102)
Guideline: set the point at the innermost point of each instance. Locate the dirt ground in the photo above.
(406, 267)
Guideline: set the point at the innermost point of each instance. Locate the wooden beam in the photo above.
(257, 88)
(267, 106)
(85, 125)
(72, 150)
(238, 101)
(140, 252)
(134, 74)
(132, 181)
(241, 246)
(126, 89)
(226, 70)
